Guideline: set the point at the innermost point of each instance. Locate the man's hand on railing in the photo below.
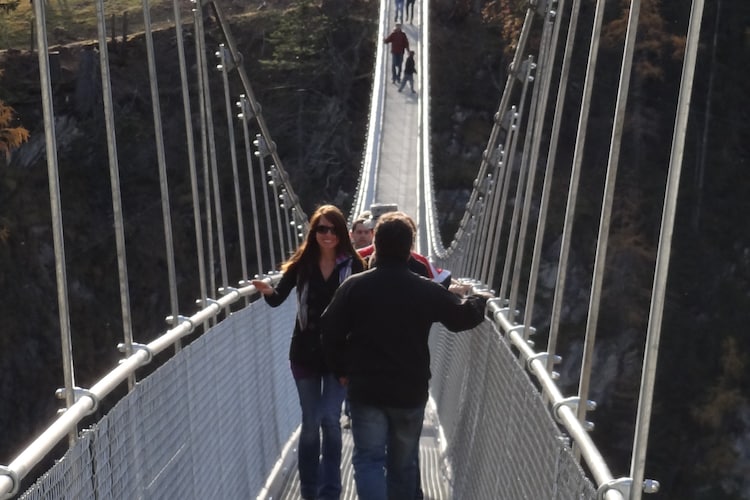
(465, 288)
(459, 288)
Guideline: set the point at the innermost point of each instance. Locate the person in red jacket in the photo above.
(418, 263)
(399, 44)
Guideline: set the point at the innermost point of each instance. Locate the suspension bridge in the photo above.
(219, 418)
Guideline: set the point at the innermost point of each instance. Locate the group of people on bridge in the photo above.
(399, 43)
(365, 305)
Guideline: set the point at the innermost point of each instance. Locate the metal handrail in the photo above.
(563, 408)
(87, 400)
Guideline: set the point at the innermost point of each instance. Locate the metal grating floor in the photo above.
(434, 480)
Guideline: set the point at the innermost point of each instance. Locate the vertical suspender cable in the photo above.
(606, 215)
(226, 60)
(575, 174)
(492, 190)
(499, 115)
(477, 211)
(544, 71)
(200, 56)
(475, 223)
(287, 220)
(524, 169)
(190, 141)
(496, 184)
(267, 147)
(551, 160)
(246, 115)
(274, 175)
(262, 151)
(515, 67)
(114, 179)
(534, 136)
(55, 207)
(503, 106)
(662, 257)
(162, 162)
(489, 184)
(214, 167)
(498, 187)
(526, 78)
(486, 188)
(229, 39)
(552, 151)
(501, 202)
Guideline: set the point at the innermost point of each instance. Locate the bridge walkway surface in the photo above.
(396, 182)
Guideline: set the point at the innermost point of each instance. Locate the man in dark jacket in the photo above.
(385, 361)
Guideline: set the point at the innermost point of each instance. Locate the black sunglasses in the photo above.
(321, 229)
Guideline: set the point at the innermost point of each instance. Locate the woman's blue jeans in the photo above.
(386, 449)
(320, 466)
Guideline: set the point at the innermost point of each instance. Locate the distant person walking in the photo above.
(410, 11)
(409, 70)
(399, 44)
(399, 11)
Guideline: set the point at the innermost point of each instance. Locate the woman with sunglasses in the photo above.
(317, 268)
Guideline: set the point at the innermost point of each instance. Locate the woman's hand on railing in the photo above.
(262, 286)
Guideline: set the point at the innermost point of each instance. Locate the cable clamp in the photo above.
(226, 290)
(184, 319)
(623, 485)
(208, 301)
(135, 346)
(180, 320)
(540, 356)
(14, 480)
(78, 393)
(571, 402)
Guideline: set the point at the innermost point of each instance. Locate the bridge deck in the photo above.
(397, 182)
(434, 483)
(399, 166)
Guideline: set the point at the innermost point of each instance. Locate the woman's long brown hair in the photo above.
(308, 252)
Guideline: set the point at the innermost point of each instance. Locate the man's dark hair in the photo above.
(394, 236)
